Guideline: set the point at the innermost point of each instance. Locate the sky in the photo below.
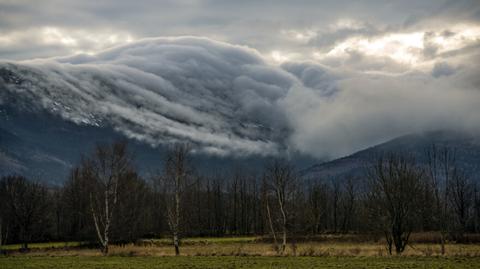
(324, 78)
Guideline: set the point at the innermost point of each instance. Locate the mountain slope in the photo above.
(220, 97)
(226, 101)
(43, 146)
(466, 147)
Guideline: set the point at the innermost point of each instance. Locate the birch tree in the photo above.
(281, 185)
(105, 169)
(177, 171)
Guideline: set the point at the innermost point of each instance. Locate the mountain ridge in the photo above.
(466, 146)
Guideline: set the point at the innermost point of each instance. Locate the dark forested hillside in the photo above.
(43, 146)
(466, 147)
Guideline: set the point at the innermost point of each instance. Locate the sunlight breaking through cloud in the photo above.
(407, 47)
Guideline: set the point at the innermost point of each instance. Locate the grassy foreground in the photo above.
(15, 262)
(238, 252)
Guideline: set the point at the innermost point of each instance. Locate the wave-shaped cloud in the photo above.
(219, 96)
(227, 99)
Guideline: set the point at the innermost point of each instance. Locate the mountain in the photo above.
(223, 99)
(465, 146)
(231, 105)
(44, 146)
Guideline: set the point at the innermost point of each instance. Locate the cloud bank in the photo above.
(219, 96)
(229, 99)
(298, 28)
(368, 109)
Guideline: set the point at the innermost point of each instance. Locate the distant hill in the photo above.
(467, 148)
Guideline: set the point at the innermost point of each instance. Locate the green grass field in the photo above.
(236, 262)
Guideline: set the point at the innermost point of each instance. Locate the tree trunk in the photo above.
(284, 227)
(24, 234)
(106, 239)
(389, 239)
(270, 222)
(105, 248)
(107, 224)
(97, 219)
(284, 237)
(176, 244)
(7, 229)
(24, 239)
(442, 242)
(176, 240)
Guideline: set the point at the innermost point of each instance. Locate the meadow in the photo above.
(239, 252)
(117, 262)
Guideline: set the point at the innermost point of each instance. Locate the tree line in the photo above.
(105, 200)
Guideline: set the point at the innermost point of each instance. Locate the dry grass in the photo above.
(248, 253)
(423, 244)
(264, 249)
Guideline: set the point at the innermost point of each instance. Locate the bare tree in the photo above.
(28, 203)
(460, 190)
(317, 200)
(177, 171)
(234, 190)
(4, 210)
(266, 198)
(104, 170)
(76, 192)
(395, 188)
(335, 184)
(1, 229)
(349, 200)
(281, 185)
(131, 210)
(441, 163)
(476, 208)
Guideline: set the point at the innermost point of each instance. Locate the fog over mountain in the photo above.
(241, 78)
(229, 100)
(221, 97)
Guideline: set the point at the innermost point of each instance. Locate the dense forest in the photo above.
(106, 201)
